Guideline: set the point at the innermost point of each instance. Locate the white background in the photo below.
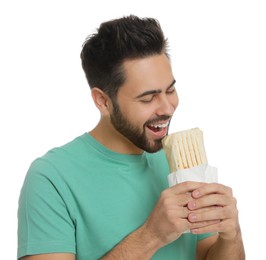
(219, 61)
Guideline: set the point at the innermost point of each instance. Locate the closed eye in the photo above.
(171, 90)
(148, 96)
(147, 99)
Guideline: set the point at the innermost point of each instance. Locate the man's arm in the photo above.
(227, 249)
(204, 245)
(56, 256)
(215, 247)
(137, 245)
(167, 222)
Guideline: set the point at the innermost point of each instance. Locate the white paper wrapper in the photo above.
(202, 173)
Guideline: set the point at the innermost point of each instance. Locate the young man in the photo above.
(105, 194)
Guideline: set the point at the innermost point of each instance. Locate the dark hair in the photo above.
(116, 41)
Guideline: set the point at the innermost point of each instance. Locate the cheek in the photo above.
(138, 115)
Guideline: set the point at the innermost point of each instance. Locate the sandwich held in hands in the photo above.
(185, 149)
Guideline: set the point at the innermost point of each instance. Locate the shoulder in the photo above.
(57, 161)
(62, 154)
(74, 147)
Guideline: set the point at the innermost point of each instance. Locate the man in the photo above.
(105, 195)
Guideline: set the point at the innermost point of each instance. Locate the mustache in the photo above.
(158, 119)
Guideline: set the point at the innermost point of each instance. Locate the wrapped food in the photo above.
(187, 159)
(185, 149)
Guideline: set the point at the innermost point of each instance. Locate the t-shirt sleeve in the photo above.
(44, 221)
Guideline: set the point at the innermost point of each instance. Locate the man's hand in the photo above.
(214, 202)
(169, 218)
(200, 207)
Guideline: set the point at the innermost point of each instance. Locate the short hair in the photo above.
(115, 42)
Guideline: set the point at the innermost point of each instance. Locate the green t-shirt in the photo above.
(84, 199)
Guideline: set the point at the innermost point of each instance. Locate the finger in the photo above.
(185, 187)
(211, 188)
(178, 213)
(174, 204)
(182, 200)
(171, 200)
(206, 209)
(225, 226)
(211, 200)
(203, 224)
(216, 213)
(215, 227)
(183, 225)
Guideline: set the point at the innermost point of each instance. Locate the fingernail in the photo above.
(191, 205)
(193, 217)
(196, 193)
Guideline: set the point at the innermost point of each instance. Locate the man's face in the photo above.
(146, 102)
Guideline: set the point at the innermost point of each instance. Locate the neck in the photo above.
(108, 136)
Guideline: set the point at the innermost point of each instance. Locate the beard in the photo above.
(133, 133)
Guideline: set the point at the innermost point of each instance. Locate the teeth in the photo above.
(161, 125)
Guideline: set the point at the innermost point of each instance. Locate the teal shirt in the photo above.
(84, 199)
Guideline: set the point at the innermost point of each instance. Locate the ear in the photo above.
(101, 100)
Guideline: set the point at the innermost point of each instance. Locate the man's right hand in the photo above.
(169, 219)
(166, 223)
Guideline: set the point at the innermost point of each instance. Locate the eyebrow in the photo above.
(156, 91)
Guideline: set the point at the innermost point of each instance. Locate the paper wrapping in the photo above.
(202, 173)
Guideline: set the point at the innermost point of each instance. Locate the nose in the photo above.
(167, 105)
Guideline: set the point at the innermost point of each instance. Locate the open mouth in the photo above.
(158, 128)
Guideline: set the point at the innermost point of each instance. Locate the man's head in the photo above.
(128, 69)
(116, 41)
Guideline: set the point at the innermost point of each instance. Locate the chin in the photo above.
(154, 148)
